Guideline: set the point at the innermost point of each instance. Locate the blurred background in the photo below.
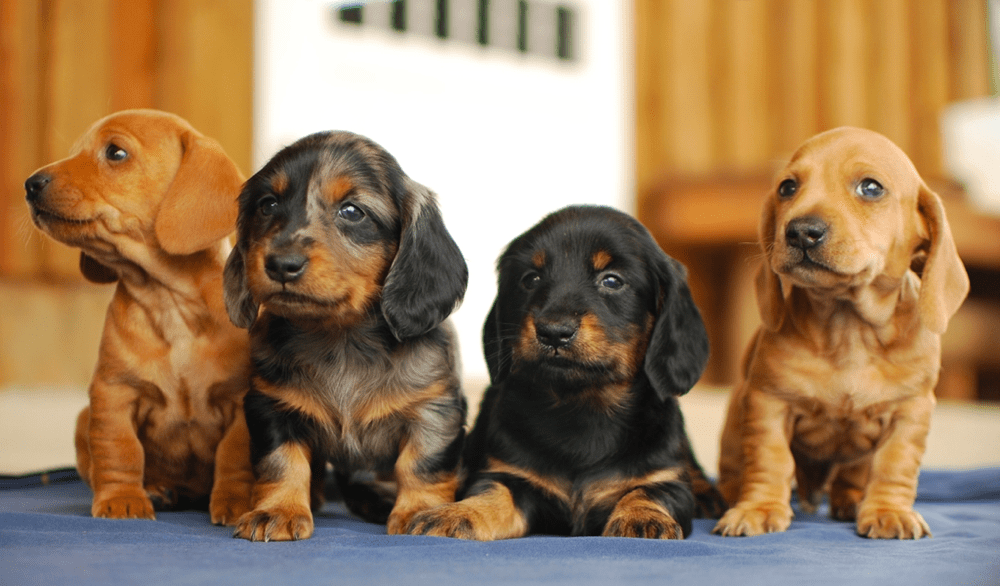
(677, 111)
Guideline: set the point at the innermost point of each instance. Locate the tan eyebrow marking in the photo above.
(338, 188)
(538, 259)
(601, 259)
(279, 183)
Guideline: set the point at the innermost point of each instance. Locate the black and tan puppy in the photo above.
(592, 336)
(344, 273)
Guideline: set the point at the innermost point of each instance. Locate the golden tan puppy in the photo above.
(860, 278)
(149, 201)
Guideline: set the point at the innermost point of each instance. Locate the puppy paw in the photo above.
(127, 504)
(275, 525)
(891, 523)
(649, 524)
(745, 520)
(444, 521)
(226, 509)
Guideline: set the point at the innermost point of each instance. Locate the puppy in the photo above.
(344, 273)
(149, 201)
(592, 336)
(859, 280)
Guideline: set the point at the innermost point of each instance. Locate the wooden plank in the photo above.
(793, 80)
(650, 99)
(77, 92)
(844, 56)
(929, 84)
(745, 132)
(133, 54)
(206, 57)
(969, 40)
(689, 86)
(20, 124)
(890, 75)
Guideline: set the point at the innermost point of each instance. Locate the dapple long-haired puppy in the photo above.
(345, 274)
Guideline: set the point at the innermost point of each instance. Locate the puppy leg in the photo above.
(423, 483)
(82, 442)
(488, 513)
(765, 488)
(811, 478)
(117, 458)
(662, 511)
(231, 491)
(280, 497)
(886, 511)
(847, 489)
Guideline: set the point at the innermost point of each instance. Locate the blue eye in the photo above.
(788, 188)
(870, 189)
(267, 205)
(613, 282)
(531, 280)
(351, 213)
(115, 153)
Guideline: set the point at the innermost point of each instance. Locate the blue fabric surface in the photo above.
(48, 537)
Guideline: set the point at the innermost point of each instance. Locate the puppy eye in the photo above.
(267, 205)
(787, 188)
(351, 213)
(531, 280)
(114, 152)
(613, 282)
(870, 189)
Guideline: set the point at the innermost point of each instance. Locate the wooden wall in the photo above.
(63, 65)
(736, 85)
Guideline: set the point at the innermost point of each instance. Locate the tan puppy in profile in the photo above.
(150, 201)
(860, 278)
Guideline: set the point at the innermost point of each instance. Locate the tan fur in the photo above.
(839, 385)
(280, 498)
(165, 418)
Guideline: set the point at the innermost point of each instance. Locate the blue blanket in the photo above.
(48, 537)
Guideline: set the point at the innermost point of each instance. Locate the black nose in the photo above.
(806, 232)
(35, 185)
(557, 334)
(285, 268)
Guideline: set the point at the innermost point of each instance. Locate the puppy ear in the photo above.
(495, 354)
(944, 282)
(770, 296)
(95, 272)
(427, 279)
(201, 204)
(678, 346)
(240, 305)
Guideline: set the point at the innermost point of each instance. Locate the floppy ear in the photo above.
(200, 206)
(770, 297)
(427, 279)
(497, 361)
(240, 306)
(678, 346)
(944, 282)
(95, 272)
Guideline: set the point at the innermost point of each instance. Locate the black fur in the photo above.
(351, 378)
(554, 414)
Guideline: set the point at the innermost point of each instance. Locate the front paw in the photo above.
(445, 521)
(748, 519)
(227, 508)
(275, 525)
(648, 523)
(891, 523)
(124, 504)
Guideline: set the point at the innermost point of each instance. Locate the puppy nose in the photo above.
(285, 268)
(35, 185)
(557, 334)
(806, 232)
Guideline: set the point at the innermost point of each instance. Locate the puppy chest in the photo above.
(837, 433)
